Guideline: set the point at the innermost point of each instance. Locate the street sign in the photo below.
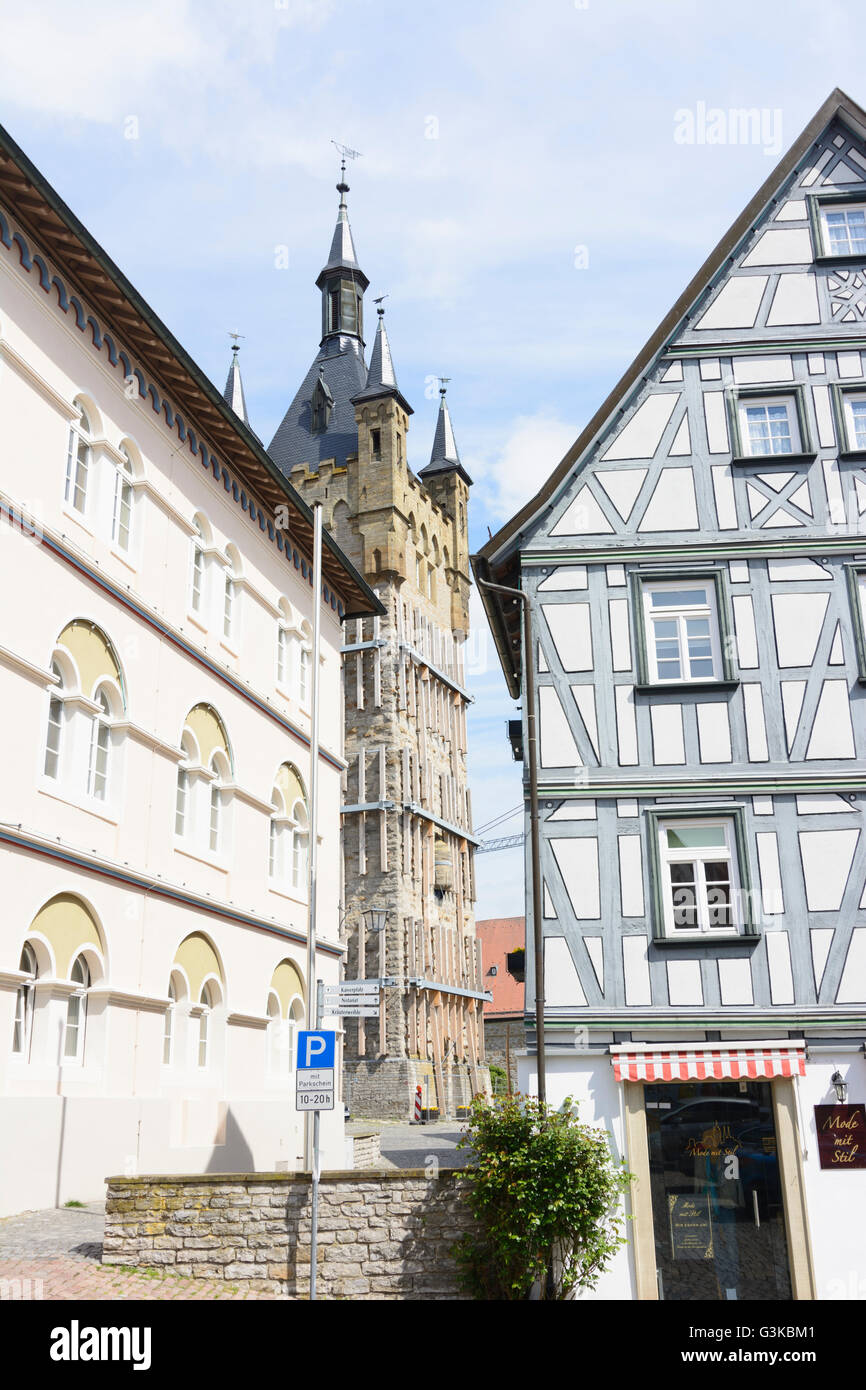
(314, 1089)
(353, 987)
(350, 1010)
(316, 1050)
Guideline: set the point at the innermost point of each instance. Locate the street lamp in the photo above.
(840, 1085)
(375, 919)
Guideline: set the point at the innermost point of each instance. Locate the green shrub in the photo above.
(498, 1079)
(545, 1191)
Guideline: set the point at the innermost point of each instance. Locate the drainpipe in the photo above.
(534, 834)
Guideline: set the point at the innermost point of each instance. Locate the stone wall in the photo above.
(503, 1039)
(381, 1236)
(366, 1150)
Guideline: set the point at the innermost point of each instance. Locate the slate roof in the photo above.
(381, 378)
(234, 392)
(345, 375)
(444, 457)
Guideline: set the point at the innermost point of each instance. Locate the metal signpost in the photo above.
(315, 1072)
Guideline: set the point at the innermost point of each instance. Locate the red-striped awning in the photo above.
(708, 1061)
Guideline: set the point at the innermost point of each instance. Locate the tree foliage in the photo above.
(545, 1191)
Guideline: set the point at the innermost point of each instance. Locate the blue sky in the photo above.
(521, 198)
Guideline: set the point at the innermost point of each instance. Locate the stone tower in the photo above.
(407, 842)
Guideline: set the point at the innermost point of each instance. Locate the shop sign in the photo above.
(841, 1135)
(691, 1226)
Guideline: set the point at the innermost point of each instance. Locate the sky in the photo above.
(532, 194)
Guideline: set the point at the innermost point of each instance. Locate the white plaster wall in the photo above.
(590, 1082)
(836, 1199)
(121, 1106)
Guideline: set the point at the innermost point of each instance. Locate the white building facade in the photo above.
(155, 682)
(696, 569)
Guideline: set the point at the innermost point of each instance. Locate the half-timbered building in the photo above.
(696, 568)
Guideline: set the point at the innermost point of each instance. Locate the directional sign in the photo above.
(316, 1050)
(350, 1010)
(353, 987)
(314, 1089)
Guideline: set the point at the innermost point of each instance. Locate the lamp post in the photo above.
(535, 851)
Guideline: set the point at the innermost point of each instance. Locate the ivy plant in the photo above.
(546, 1193)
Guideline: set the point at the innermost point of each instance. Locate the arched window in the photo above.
(305, 659)
(121, 523)
(54, 736)
(284, 646)
(100, 749)
(23, 1027)
(230, 594)
(197, 563)
(300, 846)
(76, 1011)
(276, 1036)
(220, 770)
(289, 833)
(203, 774)
(78, 462)
(80, 739)
(208, 999)
(168, 1032)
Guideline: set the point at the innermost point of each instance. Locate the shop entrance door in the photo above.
(718, 1217)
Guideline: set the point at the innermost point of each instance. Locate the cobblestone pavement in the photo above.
(55, 1255)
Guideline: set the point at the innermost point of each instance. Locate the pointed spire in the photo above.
(444, 457)
(342, 253)
(234, 391)
(381, 377)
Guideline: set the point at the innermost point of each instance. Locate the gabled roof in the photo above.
(44, 215)
(498, 560)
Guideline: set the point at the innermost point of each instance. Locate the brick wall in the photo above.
(381, 1236)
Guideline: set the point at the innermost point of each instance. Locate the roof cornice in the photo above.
(47, 218)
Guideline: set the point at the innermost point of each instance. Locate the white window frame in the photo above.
(284, 662)
(680, 614)
(79, 458)
(168, 1035)
(850, 398)
(124, 499)
(22, 1023)
(836, 208)
(304, 664)
(78, 1026)
(56, 726)
(698, 856)
(746, 403)
(198, 567)
(99, 757)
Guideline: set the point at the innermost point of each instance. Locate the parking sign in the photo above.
(316, 1050)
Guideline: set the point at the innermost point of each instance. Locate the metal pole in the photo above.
(534, 834)
(311, 1123)
(314, 1216)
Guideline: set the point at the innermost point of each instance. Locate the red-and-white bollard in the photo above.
(417, 1105)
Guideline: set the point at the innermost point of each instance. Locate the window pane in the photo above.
(696, 836)
(858, 421)
(678, 598)
(683, 896)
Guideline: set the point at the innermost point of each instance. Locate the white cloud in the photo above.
(515, 469)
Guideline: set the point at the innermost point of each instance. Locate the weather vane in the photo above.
(345, 153)
(378, 303)
(443, 384)
(236, 342)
